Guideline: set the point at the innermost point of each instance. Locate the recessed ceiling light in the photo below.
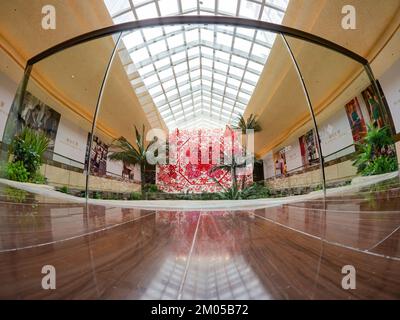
(72, 76)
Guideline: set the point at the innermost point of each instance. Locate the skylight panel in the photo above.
(271, 15)
(195, 74)
(242, 45)
(155, 91)
(247, 32)
(157, 47)
(223, 67)
(116, 6)
(133, 39)
(208, 5)
(193, 52)
(188, 5)
(249, 76)
(192, 35)
(178, 56)
(150, 80)
(260, 51)
(239, 60)
(220, 77)
(249, 9)
(228, 7)
(224, 39)
(180, 67)
(145, 70)
(139, 55)
(182, 79)
(233, 82)
(221, 55)
(172, 93)
(165, 74)
(159, 99)
(126, 17)
(207, 35)
(168, 7)
(198, 66)
(169, 84)
(247, 87)
(255, 66)
(148, 11)
(175, 41)
(162, 63)
(266, 37)
(236, 71)
(152, 33)
(206, 62)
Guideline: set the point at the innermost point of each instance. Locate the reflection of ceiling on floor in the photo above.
(197, 75)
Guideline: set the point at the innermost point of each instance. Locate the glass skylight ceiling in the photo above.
(197, 75)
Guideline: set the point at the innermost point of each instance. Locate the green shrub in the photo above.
(380, 165)
(151, 188)
(376, 155)
(16, 171)
(38, 178)
(64, 189)
(28, 147)
(135, 196)
(96, 195)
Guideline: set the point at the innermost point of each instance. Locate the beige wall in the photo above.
(337, 172)
(59, 177)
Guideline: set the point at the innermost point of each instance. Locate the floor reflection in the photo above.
(293, 251)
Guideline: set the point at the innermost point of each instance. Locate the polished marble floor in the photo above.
(290, 251)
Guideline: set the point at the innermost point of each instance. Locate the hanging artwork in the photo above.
(280, 163)
(356, 120)
(372, 103)
(308, 149)
(98, 156)
(38, 116)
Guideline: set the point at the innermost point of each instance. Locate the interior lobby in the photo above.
(200, 149)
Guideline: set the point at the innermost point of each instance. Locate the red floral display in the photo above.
(197, 152)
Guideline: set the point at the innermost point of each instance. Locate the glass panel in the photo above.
(345, 104)
(59, 102)
(286, 142)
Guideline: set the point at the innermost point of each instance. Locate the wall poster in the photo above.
(356, 120)
(372, 103)
(98, 156)
(308, 148)
(38, 116)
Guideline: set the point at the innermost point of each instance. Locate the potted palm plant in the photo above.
(123, 150)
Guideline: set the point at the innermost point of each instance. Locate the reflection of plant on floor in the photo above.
(15, 195)
(27, 151)
(376, 154)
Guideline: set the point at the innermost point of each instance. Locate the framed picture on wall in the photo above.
(38, 116)
(308, 148)
(98, 156)
(372, 103)
(356, 120)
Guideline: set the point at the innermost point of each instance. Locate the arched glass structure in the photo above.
(184, 72)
